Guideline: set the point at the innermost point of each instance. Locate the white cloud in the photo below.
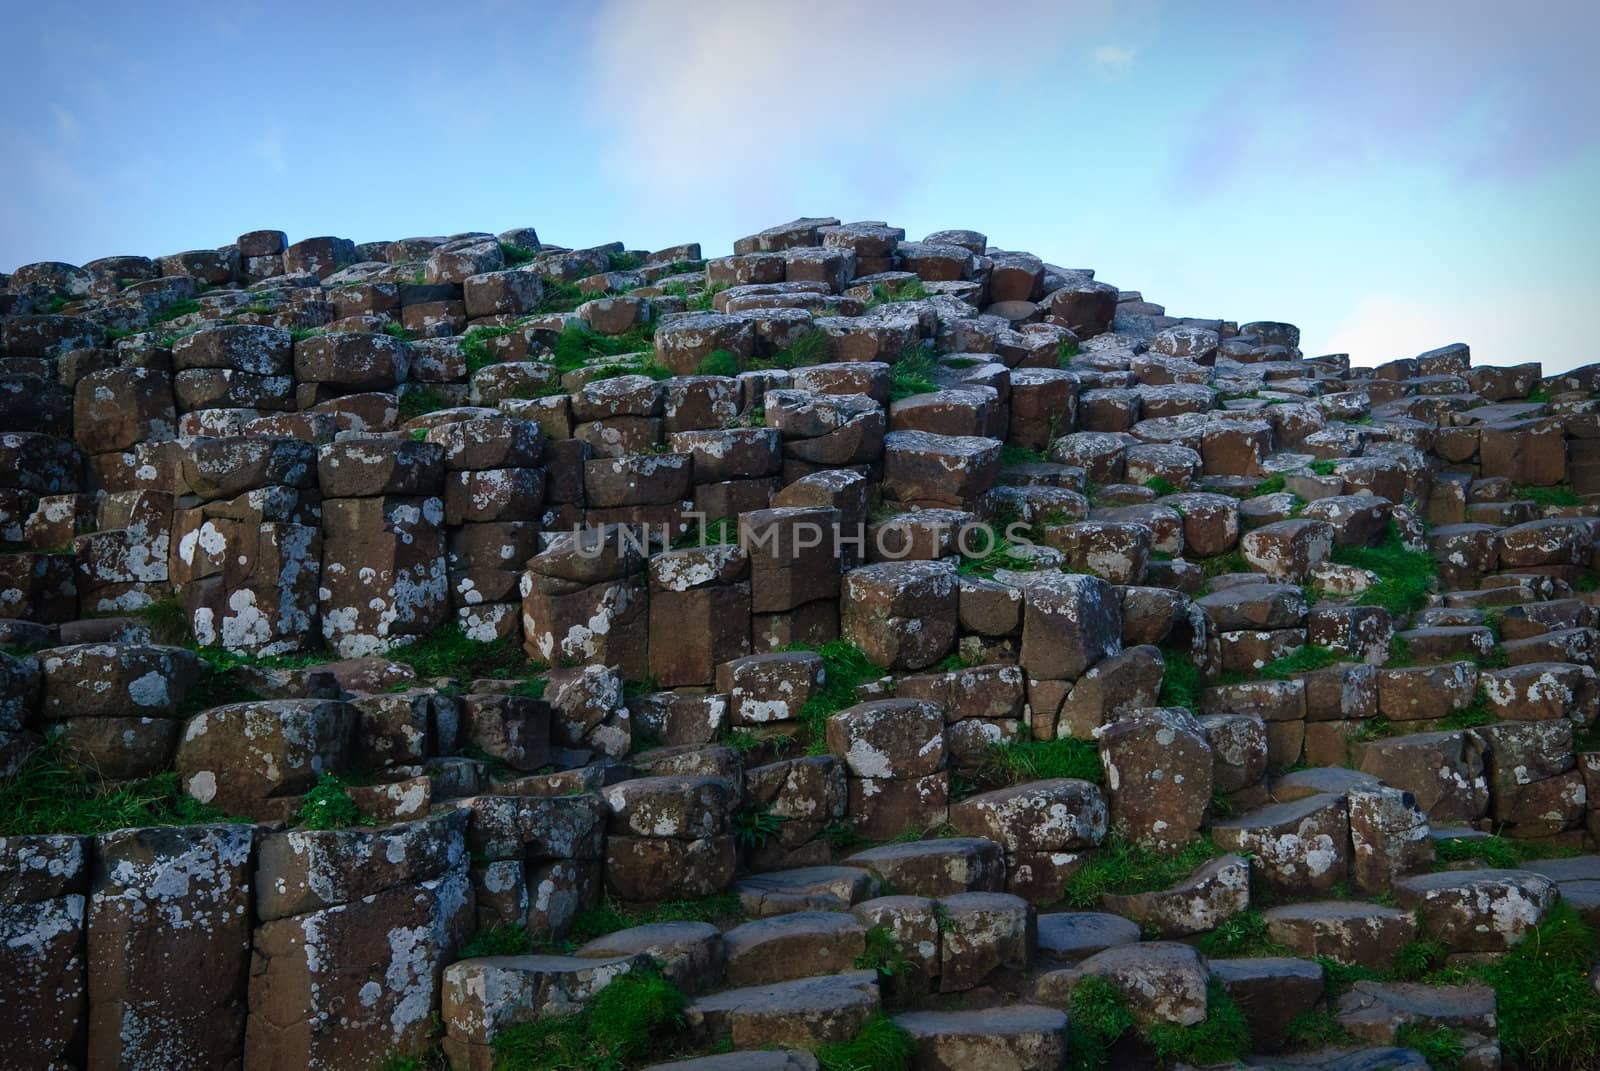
(268, 148)
(1503, 328)
(1113, 59)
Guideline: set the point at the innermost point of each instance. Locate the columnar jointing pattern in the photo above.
(852, 649)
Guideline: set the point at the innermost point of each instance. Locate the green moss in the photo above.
(1404, 576)
(1549, 496)
(329, 806)
(1017, 762)
(882, 1045)
(1303, 660)
(1098, 1017)
(1315, 1030)
(845, 668)
(183, 307)
(1245, 934)
(914, 373)
(1440, 1046)
(1121, 866)
(1222, 1037)
(719, 363)
(51, 794)
(635, 1018)
(475, 346)
(499, 941)
(1181, 685)
(910, 290)
(449, 652)
(1161, 486)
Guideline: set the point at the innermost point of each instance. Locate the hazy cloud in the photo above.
(1113, 58)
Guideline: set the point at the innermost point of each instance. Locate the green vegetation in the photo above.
(1232, 562)
(609, 916)
(298, 334)
(623, 261)
(475, 346)
(1098, 1017)
(450, 652)
(1303, 660)
(398, 331)
(754, 826)
(883, 954)
(719, 363)
(1065, 353)
(1012, 454)
(516, 255)
(52, 794)
(882, 1045)
(1270, 486)
(329, 806)
(813, 347)
(1440, 1046)
(578, 347)
(1315, 1030)
(1324, 468)
(499, 940)
(1472, 715)
(1497, 852)
(842, 835)
(1549, 496)
(1245, 934)
(562, 296)
(418, 401)
(1121, 866)
(1017, 762)
(167, 621)
(1161, 486)
(1549, 1013)
(1404, 576)
(1221, 1038)
(634, 1019)
(914, 373)
(910, 290)
(183, 307)
(1180, 681)
(845, 668)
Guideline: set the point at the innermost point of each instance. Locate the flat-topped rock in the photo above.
(1479, 910)
(1020, 1037)
(1353, 933)
(1205, 899)
(1271, 991)
(1069, 936)
(785, 1060)
(937, 867)
(690, 953)
(801, 944)
(809, 1011)
(1162, 981)
(811, 888)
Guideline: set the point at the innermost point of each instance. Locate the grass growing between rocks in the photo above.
(475, 346)
(51, 794)
(329, 806)
(499, 941)
(1548, 496)
(1222, 1037)
(635, 1018)
(1440, 1046)
(1404, 576)
(1495, 852)
(1098, 1017)
(1120, 866)
(450, 652)
(910, 290)
(845, 668)
(882, 1045)
(419, 401)
(914, 373)
(609, 916)
(1245, 934)
(1181, 685)
(1017, 762)
(1549, 1012)
(811, 348)
(1302, 660)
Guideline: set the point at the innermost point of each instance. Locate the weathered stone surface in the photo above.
(1162, 981)
(1300, 848)
(1361, 935)
(1023, 1037)
(1158, 776)
(1478, 910)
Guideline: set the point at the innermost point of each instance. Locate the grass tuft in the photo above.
(845, 668)
(635, 1018)
(1440, 1046)
(914, 373)
(1245, 934)
(910, 290)
(1017, 762)
(1098, 1017)
(1549, 496)
(499, 940)
(1404, 576)
(719, 363)
(1303, 660)
(1121, 866)
(1221, 1038)
(51, 794)
(882, 1045)
(1181, 685)
(450, 652)
(329, 806)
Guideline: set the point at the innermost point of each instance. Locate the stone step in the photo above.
(783, 1060)
(1217, 890)
(812, 888)
(801, 944)
(1271, 991)
(1020, 1037)
(1162, 981)
(804, 1012)
(1372, 1011)
(690, 954)
(1299, 848)
(937, 867)
(1069, 936)
(1478, 910)
(1349, 932)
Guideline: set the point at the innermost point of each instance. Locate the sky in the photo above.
(1391, 176)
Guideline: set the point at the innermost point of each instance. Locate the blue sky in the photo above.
(1389, 176)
